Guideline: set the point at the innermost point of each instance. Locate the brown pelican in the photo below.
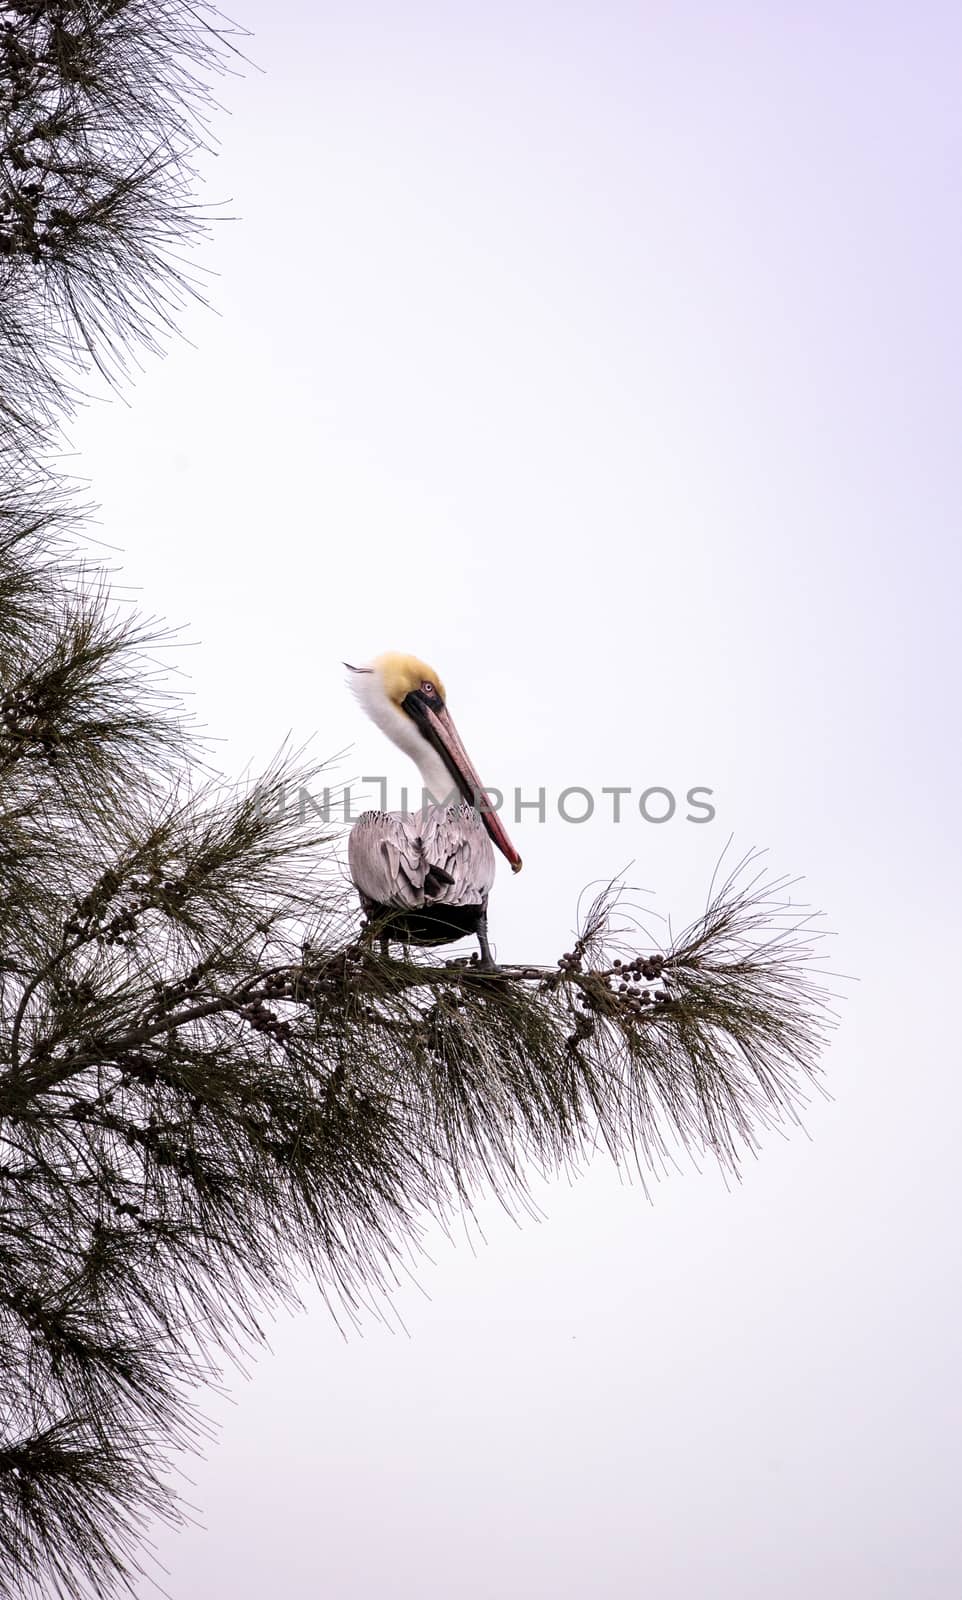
(425, 877)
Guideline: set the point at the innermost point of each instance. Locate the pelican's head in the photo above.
(406, 698)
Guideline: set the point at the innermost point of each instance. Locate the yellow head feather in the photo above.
(400, 674)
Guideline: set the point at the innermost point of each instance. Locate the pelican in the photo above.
(425, 877)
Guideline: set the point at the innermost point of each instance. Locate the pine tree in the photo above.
(208, 1078)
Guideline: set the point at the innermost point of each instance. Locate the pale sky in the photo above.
(609, 359)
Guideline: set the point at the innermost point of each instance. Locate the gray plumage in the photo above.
(438, 857)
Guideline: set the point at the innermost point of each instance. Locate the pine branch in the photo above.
(104, 110)
(211, 1076)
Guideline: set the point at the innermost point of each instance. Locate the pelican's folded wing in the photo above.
(442, 857)
(456, 840)
(386, 859)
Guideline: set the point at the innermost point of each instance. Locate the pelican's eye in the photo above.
(428, 688)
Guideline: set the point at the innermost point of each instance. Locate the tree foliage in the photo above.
(104, 107)
(208, 1077)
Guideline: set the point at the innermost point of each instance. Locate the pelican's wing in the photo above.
(385, 857)
(442, 857)
(457, 842)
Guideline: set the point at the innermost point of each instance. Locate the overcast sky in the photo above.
(608, 358)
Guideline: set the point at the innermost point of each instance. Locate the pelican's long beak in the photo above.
(438, 727)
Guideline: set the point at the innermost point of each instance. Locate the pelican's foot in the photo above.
(487, 962)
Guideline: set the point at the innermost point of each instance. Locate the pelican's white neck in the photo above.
(435, 777)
